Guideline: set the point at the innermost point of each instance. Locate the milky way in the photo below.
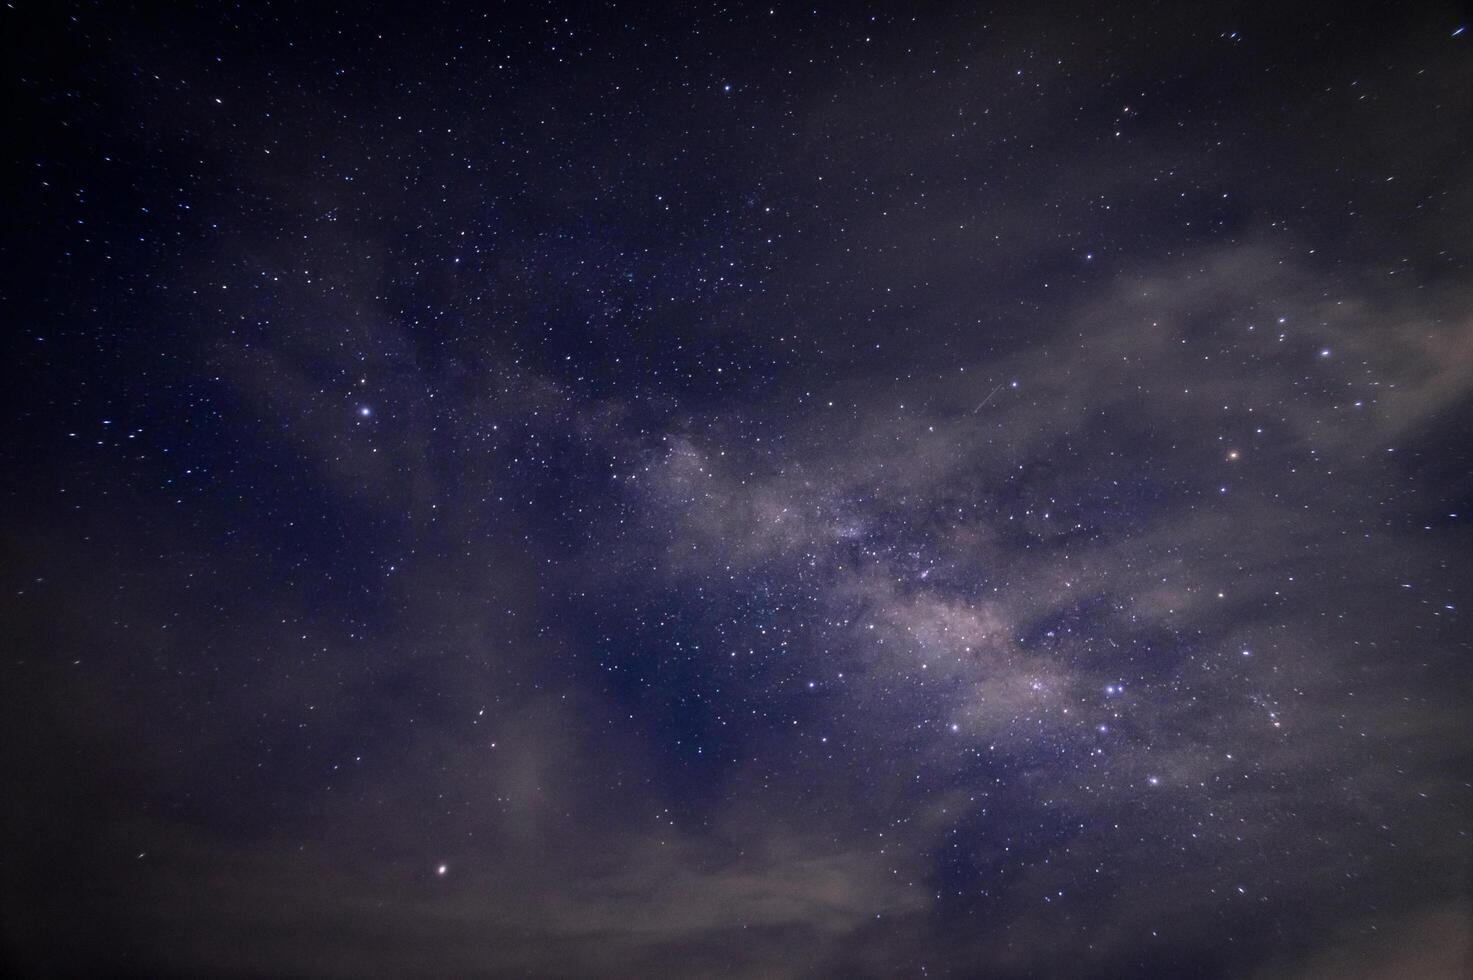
(748, 491)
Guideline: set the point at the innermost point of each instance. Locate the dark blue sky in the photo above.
(739, 490)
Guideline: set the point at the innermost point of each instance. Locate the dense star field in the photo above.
(637, 490)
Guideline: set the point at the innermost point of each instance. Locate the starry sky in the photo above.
(744, 490)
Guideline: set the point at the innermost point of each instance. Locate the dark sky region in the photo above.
(739, 490)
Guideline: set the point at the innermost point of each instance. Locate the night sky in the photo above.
(735, 490)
